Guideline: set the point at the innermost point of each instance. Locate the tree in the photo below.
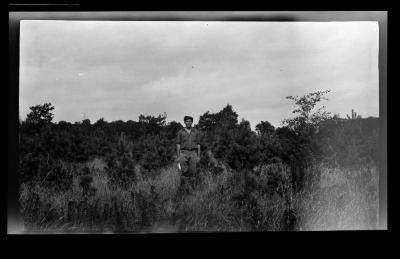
(227, 140)
(264, 127)
(298, 136)
(86, 122)
(228, 117)
(40, 114)
(171, 129)
(225, 119)
(306, 121)
(100, 123)
(151, 124)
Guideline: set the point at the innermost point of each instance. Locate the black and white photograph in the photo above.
(182, 126)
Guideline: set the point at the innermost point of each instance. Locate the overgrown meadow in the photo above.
(317, 172)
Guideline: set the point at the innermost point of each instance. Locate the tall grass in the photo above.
(341, 199)
(259, 200)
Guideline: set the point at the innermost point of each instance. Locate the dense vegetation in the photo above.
(120, 176)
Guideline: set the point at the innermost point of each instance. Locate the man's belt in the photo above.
(192, 149)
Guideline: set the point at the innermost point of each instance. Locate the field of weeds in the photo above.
(260, 200)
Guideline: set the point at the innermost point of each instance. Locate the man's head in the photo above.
(188, 121)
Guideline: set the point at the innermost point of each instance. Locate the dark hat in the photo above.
(187, 118)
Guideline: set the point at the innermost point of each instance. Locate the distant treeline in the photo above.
(150, 142)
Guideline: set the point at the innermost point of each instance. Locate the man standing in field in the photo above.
(188, 154)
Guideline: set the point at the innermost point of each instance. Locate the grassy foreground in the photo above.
(258, 200)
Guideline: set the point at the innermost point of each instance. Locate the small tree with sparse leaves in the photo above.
(306, 120)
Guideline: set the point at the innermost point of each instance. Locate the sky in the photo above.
(121, 69)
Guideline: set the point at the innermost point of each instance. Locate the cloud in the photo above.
(118, 70)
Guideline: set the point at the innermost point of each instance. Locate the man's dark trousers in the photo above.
(188, 160)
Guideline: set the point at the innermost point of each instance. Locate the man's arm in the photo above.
(178, 145)
(178, 149)
(198, 151)
(198, 144)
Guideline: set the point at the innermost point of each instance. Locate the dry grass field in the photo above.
(332, 199)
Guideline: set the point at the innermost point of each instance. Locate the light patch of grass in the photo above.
(343, 199)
